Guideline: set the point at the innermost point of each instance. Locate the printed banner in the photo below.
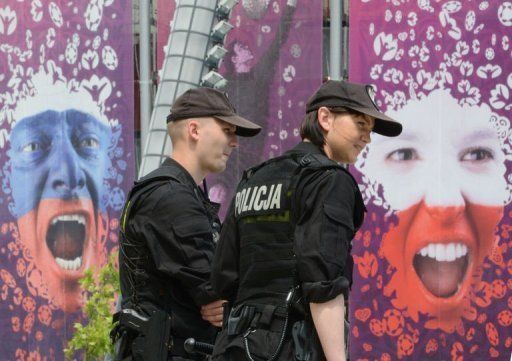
(66, 149)
(433, 261)
(273, 64)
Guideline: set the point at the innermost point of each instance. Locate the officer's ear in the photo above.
(193, 129)
(324, 118)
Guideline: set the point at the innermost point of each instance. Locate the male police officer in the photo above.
(168, 232)
(283, 260)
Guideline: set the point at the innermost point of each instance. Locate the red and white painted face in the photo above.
(444, 178)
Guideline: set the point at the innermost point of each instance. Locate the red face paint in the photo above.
(433, 282)
(61, 236)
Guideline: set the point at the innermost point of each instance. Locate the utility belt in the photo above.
(137, 337)
(246, 318)
(255, 316)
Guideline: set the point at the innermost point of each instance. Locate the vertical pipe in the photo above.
(335, 42)
(345, 39)
(145, 68)
(182, 69)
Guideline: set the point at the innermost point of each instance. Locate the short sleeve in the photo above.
(323, 234)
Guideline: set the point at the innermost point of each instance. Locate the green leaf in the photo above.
(92, 336)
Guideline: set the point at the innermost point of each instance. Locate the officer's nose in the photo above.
(367, 138)
(233, 142)
(445, 201)
(66, 177)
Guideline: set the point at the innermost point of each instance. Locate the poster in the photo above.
(66, 155)
(273, 65)
(433, 260)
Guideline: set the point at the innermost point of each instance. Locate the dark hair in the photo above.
(310, 128)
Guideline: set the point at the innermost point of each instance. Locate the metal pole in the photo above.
(182, 69)
(344, 36)
(145, 69)
(335, 36)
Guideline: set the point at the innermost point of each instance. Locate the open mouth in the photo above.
(442, 267)
(66, 240)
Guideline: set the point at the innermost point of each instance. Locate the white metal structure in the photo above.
(183, 68)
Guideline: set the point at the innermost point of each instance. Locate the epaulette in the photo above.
(318, 161)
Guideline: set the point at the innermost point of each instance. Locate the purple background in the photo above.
(406, 49)
(273, 65)
(30, 327)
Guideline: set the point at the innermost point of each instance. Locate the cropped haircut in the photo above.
(310, 128)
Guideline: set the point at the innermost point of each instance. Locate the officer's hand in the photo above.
(212, 312)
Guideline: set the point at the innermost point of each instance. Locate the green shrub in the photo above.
(92, 338)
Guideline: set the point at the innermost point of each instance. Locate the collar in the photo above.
(306, 148)
(178, 170)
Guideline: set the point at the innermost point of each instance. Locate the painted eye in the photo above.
(403, 155)
(89, 143)
(31, 147)
(477, 155)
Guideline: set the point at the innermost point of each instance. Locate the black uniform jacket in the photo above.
(173, 223)
(329, 211)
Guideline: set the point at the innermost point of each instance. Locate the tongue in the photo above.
(66, 245)
(440, 278)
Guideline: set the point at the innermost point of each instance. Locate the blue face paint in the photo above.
(60, 155)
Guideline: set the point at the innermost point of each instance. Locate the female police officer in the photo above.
(283, 260)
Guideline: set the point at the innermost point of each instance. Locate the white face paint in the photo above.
(447, 155)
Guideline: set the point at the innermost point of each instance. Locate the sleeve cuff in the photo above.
(324, 291)
(204, 295)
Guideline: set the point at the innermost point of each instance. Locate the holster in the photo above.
(142, 338)
(302, 333)
(239, 319)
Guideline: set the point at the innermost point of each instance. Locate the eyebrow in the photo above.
(479, 135)
(408, 136)
(366, 118)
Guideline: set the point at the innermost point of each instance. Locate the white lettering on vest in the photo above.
(276, 198)
(245, 205)
(237, 202)
(259, 198)
(266, 205)
(257, 204)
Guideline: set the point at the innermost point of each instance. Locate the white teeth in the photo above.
(458, 250)
(444, 252)
(450, 252)
(70, 217)
(432, 250)
(440, 252)
(68, 264)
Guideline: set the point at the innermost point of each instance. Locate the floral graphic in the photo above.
(418, 294)
(61, 59)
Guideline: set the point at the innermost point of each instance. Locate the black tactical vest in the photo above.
(134, 253)
(264, 210)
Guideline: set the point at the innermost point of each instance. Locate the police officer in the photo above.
(283, 260)
(169, 228)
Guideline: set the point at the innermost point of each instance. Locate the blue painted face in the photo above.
(59, 155)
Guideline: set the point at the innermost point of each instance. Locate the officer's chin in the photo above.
(218, 167)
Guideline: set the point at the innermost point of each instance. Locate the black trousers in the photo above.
(261, 351)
